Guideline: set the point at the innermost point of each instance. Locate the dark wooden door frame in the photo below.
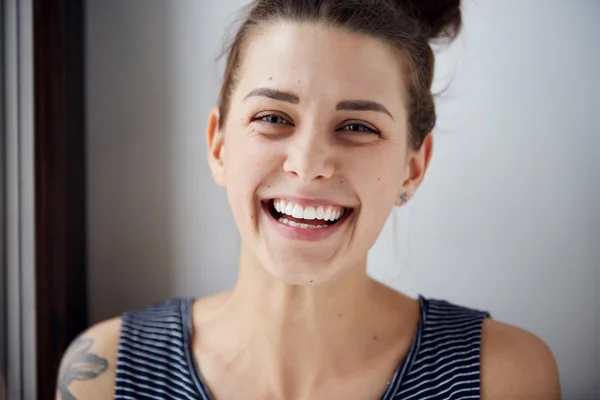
(59, 109)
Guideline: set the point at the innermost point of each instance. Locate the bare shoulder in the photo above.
(515, 364)
(87, 369)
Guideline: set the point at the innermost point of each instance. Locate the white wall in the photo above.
(504, 222)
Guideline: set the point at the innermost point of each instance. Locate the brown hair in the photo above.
(407, 25)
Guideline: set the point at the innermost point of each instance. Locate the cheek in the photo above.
(378, 179)
(379, 174)
(249, 162)
(248, 158)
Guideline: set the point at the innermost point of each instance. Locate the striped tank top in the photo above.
(155, 361)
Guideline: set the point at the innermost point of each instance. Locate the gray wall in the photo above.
(506, 220)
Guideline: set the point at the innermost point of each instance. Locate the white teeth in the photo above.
(288, 209)
(324, 213)
(332, 215)
(301, 226)
(298, 212)
(320, 213)
(309, 213)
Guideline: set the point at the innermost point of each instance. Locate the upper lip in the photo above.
(309, 202)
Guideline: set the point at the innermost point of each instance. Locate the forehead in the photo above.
(324, 62)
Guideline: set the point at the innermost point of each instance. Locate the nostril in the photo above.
(309, 168)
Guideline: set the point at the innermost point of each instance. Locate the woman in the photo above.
(323, 124)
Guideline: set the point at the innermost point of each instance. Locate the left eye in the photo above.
(359, 128)
(272, 119)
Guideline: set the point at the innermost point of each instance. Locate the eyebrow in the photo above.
(363, 105)
(347, 105)
(275, 95)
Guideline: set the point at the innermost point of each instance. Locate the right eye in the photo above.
(272, 119)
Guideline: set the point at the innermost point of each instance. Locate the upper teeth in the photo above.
(325, 213)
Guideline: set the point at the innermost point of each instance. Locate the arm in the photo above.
(87, 370)
(516, 365)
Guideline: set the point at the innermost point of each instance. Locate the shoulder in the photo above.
(516, 364)
(87, 369)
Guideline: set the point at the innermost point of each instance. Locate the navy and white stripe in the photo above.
(446, 357)
(154, 360)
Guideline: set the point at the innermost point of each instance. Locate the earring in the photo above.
(404, 198)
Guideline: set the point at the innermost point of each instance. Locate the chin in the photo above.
(302, 269)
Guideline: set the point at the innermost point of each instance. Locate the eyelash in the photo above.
(367, 129)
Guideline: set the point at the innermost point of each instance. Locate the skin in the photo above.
(320, 328)
(87, 370)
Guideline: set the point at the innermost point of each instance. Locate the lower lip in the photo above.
(303, 234)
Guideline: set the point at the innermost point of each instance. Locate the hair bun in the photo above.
(441, 18)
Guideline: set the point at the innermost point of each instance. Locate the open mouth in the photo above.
(305, 217)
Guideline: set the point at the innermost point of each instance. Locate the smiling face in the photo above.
(314, 153)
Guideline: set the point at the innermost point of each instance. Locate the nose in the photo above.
(310, 158)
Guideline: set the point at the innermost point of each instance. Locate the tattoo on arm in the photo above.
(79, 365)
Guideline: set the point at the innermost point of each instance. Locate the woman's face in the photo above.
(314, 153)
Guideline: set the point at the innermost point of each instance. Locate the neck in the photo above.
(313, 312)
(302, 335)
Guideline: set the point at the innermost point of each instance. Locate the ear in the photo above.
(216, 147)
(417, 164)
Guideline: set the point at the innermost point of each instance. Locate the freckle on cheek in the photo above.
(270, 78)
